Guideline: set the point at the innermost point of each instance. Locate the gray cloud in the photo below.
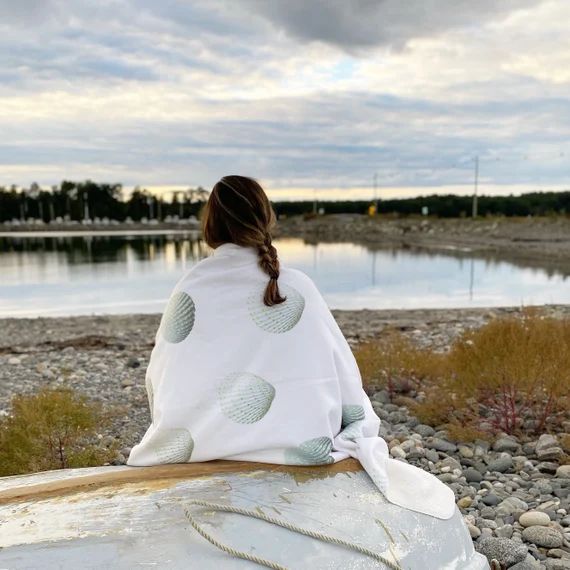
(364, 23)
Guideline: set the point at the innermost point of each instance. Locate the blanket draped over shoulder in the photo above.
(231, 378)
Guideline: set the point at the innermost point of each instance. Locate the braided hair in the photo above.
(239, 211)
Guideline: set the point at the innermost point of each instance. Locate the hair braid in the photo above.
(269, 262)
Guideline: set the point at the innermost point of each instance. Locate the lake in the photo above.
(67, 274)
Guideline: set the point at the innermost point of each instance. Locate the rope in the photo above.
(268, 563)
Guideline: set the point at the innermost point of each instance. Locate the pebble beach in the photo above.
(514, 495)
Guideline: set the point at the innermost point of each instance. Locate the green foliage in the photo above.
(101, 199)
(443, 206)
(52, 429)
(107, 200)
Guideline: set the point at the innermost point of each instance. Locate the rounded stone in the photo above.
(543, 536)
(501, 464)
(563, 472)
(505, 550)
(534, 518)
(472, 475)
(424, 430)
(464, 502)
(397, 452)
(473, 531)
(510, 506)
(506, 444)
(490, 500)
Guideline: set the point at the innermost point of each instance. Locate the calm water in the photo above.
(70, 275)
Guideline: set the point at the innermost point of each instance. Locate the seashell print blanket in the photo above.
(231, 378)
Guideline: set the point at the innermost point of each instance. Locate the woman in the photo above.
(249, 364)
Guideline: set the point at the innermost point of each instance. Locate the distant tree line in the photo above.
(443, 206)
(78, 201)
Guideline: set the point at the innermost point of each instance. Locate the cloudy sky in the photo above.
(304, 95)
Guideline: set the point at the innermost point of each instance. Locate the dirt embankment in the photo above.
(541, 241)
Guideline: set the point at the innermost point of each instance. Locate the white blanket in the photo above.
(231, 378)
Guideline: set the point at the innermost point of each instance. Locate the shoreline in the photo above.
(534, 242)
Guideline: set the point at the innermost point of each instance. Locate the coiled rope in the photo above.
(268, 563)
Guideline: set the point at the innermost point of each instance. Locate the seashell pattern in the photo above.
(352, 431)
(311, 452)
(178, 318)
(173, 445)
(150, 395)
(352, 413)
(244, 397)
(278, 318)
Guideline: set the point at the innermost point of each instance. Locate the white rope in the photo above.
(268, 563)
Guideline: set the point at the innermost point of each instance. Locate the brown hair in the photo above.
(239, 211)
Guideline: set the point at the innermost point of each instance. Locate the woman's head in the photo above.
(238, 211)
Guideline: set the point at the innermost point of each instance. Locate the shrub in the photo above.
(437, 408)
(51, 429)
(510, 375)
(514, 367)
(395, 363)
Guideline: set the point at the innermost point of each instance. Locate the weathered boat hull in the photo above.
(133, 517)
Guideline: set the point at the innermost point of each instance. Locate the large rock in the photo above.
(441, 445)
(543, 536)
(472, 475)
(424, 430)
(506, 444)
(547, 467)
(510, 506)
(547, 448)
(534, 518)
(529, 563)
(558, 564)
(501, 464)
(505, 550)
(490, 500)
(563, 472)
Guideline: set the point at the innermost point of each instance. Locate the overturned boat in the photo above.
(220, 514)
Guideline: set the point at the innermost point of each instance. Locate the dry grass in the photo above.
(510, 375)
(395, 363)
(516, 367)
(52, 429)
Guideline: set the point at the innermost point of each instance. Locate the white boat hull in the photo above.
(133, 517)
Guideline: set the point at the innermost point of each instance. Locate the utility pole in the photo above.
(474, 211)
(85, 205)
(314, 200)
(376, 192)
(150, 208)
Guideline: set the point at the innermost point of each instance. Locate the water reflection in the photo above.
(63, 274)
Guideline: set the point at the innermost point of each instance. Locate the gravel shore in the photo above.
(513, 494)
